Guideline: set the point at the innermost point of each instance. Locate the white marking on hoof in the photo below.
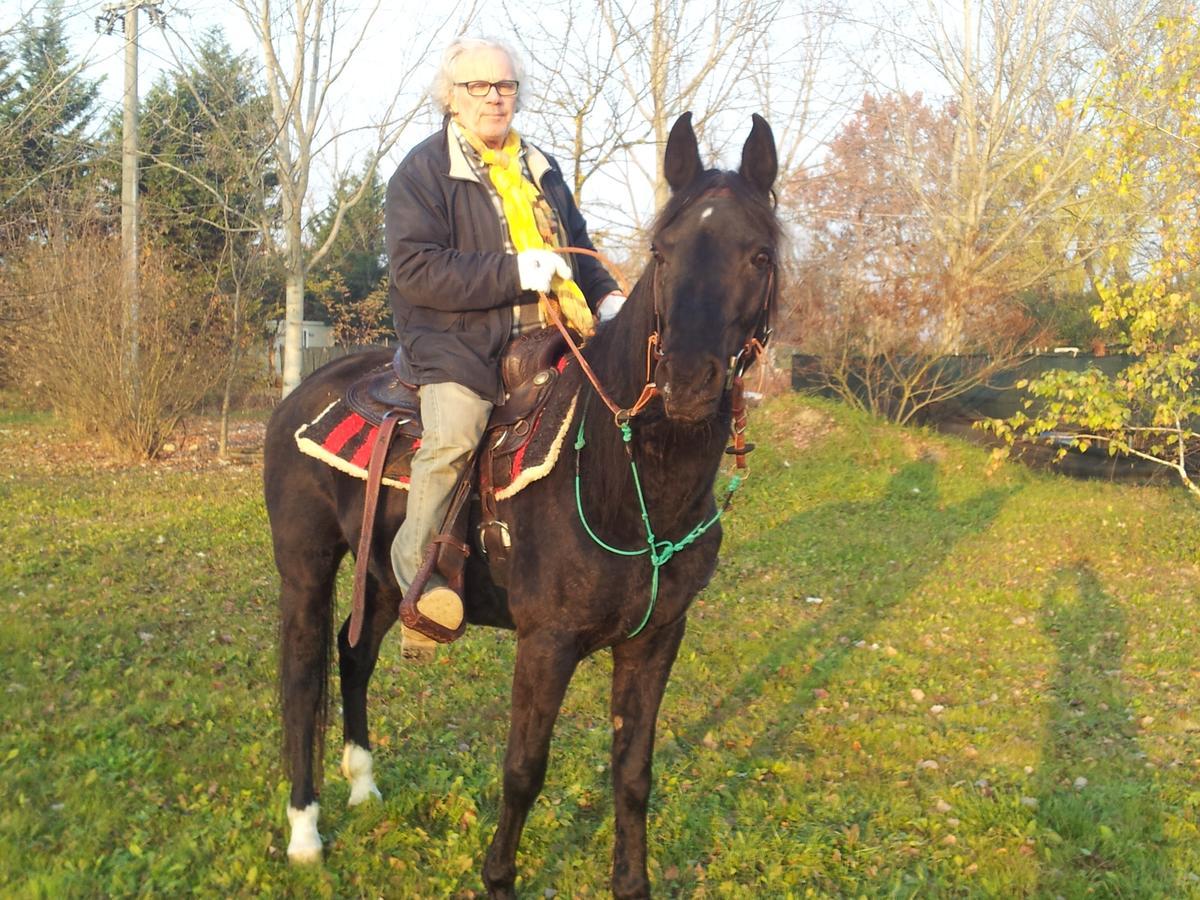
(359, 770)
(305, 845)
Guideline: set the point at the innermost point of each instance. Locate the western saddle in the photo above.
(529, 370)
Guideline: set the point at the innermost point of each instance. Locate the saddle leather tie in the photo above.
(362, 559)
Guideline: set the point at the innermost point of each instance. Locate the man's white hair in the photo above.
(442, 89)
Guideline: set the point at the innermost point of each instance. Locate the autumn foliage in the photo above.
(71, 348)
(1147, 152)
(878, 300)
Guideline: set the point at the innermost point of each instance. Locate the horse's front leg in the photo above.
(640, 671)
(545, 664)
(355, 666)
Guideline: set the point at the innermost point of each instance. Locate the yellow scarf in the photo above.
(519, 198)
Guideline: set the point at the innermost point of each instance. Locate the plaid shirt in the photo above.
(526, 316)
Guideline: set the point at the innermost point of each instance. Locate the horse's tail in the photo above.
(308, 549)
(294, 746)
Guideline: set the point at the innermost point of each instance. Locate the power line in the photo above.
(113, 15)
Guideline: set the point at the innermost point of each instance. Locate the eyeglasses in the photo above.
(483, 88)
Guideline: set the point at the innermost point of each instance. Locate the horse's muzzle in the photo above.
(691, 389)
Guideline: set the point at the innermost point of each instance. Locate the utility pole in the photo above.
(126, 14)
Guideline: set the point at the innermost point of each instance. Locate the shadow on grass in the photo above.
(1098, 807)
(885, 548)
(905, 534)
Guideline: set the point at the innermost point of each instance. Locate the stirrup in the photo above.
(439, 607)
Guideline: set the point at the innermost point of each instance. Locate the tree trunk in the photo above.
(294, 306)
(235, 358)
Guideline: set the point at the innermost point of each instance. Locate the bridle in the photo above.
(753, 347)
(649, 389)
(661, 551)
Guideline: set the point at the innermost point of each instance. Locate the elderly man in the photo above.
(472, 216)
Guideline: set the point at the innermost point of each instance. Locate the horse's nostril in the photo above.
(714, 371)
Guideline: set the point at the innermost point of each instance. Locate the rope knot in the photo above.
(662, 551)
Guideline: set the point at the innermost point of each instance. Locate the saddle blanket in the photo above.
(342, 438)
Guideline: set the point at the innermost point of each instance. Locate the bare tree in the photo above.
(306, 47)
(575, 88)
(1005, 209)
(577, 104)
(678, 55)
(804, 83)
(210, 188)
(609, 79)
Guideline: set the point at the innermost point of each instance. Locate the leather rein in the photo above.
(738, 364)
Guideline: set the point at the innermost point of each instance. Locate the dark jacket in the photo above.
(452, 284)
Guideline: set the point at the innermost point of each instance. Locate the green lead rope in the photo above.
(660, 551)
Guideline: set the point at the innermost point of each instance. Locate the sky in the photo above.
(366, 86)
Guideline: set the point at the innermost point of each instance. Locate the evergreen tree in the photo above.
(201, 133)
(356, 265)
(46, 109)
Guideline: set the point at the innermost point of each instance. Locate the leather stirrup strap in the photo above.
(383, 438)
(410, 614)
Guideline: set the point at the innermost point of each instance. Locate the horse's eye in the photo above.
(657, 254)
(762, 259)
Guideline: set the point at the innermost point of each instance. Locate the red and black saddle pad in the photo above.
(342, 438)
(535, 454)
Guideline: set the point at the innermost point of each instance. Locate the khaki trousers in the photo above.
(453, 419)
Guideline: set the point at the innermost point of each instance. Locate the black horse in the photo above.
(707, 293)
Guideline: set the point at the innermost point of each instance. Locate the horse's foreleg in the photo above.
(304, 659)
(543, 671)
(640, 671)
(356, 665)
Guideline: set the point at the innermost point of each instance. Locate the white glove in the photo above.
(537, 268)
(610, 304)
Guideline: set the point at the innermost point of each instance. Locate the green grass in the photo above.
(995, 697)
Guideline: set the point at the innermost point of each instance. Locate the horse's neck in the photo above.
(676, 468)
(618, 353)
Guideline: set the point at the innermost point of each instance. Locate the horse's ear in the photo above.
(682, 165)
(759, 163)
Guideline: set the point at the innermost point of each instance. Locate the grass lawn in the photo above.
(913, 676)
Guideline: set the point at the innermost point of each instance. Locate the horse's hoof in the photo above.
(359, 769)
(305, 846)
(360, 794)
(307, 856)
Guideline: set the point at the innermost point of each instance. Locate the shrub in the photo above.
(73, 341)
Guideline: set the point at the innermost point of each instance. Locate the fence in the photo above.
(997, 399)
(312, 358)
